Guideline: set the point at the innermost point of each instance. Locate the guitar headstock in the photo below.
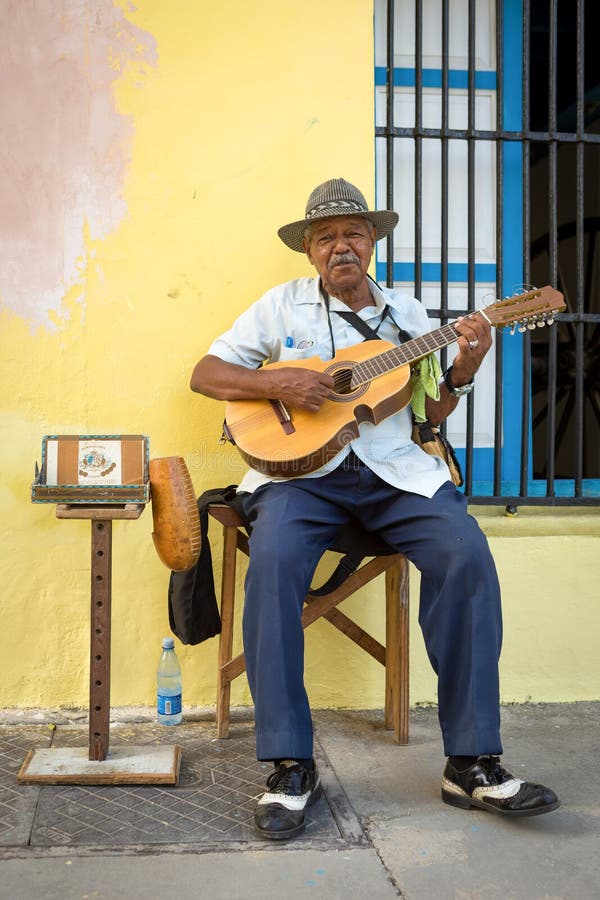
(533, 309)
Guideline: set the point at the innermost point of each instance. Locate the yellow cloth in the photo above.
(425, 378)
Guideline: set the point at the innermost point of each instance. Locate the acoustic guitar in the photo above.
(372, 382)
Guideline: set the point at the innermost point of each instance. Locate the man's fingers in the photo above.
(304, 388)
(474, 329)
(327, 381)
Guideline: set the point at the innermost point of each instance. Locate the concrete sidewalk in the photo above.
(381, 831)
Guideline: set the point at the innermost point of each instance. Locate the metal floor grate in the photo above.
(213, 803)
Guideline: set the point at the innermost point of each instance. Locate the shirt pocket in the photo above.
(288, 354)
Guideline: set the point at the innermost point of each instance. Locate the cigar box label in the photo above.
(99, 463)
(94, 461)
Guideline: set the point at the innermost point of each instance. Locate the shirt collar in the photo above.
(336, 304)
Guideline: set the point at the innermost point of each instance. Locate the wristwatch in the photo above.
(456, 391)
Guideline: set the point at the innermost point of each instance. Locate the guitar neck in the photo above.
(410, 352)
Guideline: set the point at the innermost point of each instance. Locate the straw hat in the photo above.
(336, 197)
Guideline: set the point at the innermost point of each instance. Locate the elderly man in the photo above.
(384, 480)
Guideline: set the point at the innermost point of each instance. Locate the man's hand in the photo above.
(298, 387)
(474, 342)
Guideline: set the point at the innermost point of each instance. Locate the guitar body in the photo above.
(372, 382)
(285, 441)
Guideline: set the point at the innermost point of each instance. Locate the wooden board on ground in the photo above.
(123, 765)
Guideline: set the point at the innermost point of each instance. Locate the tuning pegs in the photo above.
(531, 312)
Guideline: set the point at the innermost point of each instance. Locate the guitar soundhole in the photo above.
(343, 390)
(343, 379)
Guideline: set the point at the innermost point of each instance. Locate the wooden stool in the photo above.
(394, 656)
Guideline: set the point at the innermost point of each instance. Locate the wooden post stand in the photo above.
(101, 591)
(124, 765)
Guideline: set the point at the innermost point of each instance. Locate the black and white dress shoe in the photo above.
(280, 811)
(487, 785)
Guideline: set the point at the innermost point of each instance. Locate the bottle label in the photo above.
(169, 706)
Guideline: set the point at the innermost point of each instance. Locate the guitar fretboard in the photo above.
(411, 351)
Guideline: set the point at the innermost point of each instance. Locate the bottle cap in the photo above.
(168, 643)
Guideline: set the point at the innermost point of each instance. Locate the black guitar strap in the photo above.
(369, 334)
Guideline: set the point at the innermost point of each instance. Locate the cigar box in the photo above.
(93, 468)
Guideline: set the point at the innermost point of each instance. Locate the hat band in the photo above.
(336, 205)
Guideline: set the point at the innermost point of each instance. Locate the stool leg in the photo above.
(396, 653)
(226, 636)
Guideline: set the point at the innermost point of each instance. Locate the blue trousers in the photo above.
(293, 523)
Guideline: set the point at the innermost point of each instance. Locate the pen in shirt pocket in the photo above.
(304, 344)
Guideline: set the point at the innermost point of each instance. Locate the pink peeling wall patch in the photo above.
(64, 146)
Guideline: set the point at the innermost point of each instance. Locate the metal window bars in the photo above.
(559, 455)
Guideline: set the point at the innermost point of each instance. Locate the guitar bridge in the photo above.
(283, 416)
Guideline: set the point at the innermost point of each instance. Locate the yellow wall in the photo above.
(146, 189)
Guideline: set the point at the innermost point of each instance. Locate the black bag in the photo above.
(193, 611)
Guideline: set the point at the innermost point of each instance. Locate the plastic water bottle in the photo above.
(168, 684)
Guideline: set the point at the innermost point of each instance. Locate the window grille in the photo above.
(487, 144)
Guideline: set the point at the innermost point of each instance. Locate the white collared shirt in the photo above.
(290, 322)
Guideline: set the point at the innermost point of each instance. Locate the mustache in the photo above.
(343, 259)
